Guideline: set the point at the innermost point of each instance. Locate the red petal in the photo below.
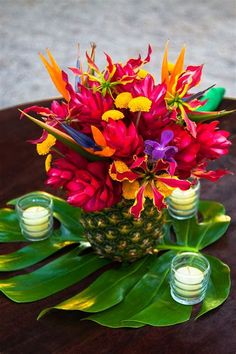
(211, 175)
(175, 183)
(138, 206)
(158, 198)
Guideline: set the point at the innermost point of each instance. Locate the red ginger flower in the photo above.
(61, 173)
(213, 141)
(193, 154)
(87, 107)
(88, 184)
(124, 139)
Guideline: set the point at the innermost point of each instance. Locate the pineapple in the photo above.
(115, 234)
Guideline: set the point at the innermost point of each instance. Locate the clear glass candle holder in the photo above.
(184, 204)
(35, 215)
(189, 278)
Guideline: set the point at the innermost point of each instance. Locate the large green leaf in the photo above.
(108, 289)
(9, 226)
(219, 286)
(53, 277)
(193, 235)
(30, 255)
(164, 311)
(148, 301)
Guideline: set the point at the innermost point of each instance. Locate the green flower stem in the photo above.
(177, 248)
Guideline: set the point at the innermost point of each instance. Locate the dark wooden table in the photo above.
(21, 170)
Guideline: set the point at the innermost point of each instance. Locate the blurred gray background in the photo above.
(122, 28)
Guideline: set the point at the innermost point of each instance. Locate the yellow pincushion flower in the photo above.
(140, 104)
(113, 114)
(123, 99)
(142, 74)
(44, 147)
(48, 162)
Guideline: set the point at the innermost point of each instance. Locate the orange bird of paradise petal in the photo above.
(170, 79)
(101, 141)
(55, 74)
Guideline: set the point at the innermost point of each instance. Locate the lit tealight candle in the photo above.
(184, 204)
(35, 216)
(36, 220)
(189, 278)
(189, 275)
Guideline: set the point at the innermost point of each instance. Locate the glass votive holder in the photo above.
(35, 215)
(189, 278)
(184, 204)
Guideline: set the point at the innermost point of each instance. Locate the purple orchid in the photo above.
(162, 151)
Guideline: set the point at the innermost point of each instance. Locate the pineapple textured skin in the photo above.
(115, 234)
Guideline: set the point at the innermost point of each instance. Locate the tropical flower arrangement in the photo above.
(118, 144)
(120, 135)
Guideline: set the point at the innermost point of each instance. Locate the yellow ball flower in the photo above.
(113, 114)
(44, 147)
(142, 74)
(140, 103)
(123, 99)
(48, 162)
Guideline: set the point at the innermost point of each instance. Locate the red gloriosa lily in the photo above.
(148, 183)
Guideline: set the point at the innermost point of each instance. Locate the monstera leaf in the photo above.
(125, 295)
(142, 296)
(194, 235)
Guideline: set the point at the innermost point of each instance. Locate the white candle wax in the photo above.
(183, 203)
(36, 228)
(36, 220)
(183, 197)
(189, 275)
(179, 193)
(35, 215)
(189, 281)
